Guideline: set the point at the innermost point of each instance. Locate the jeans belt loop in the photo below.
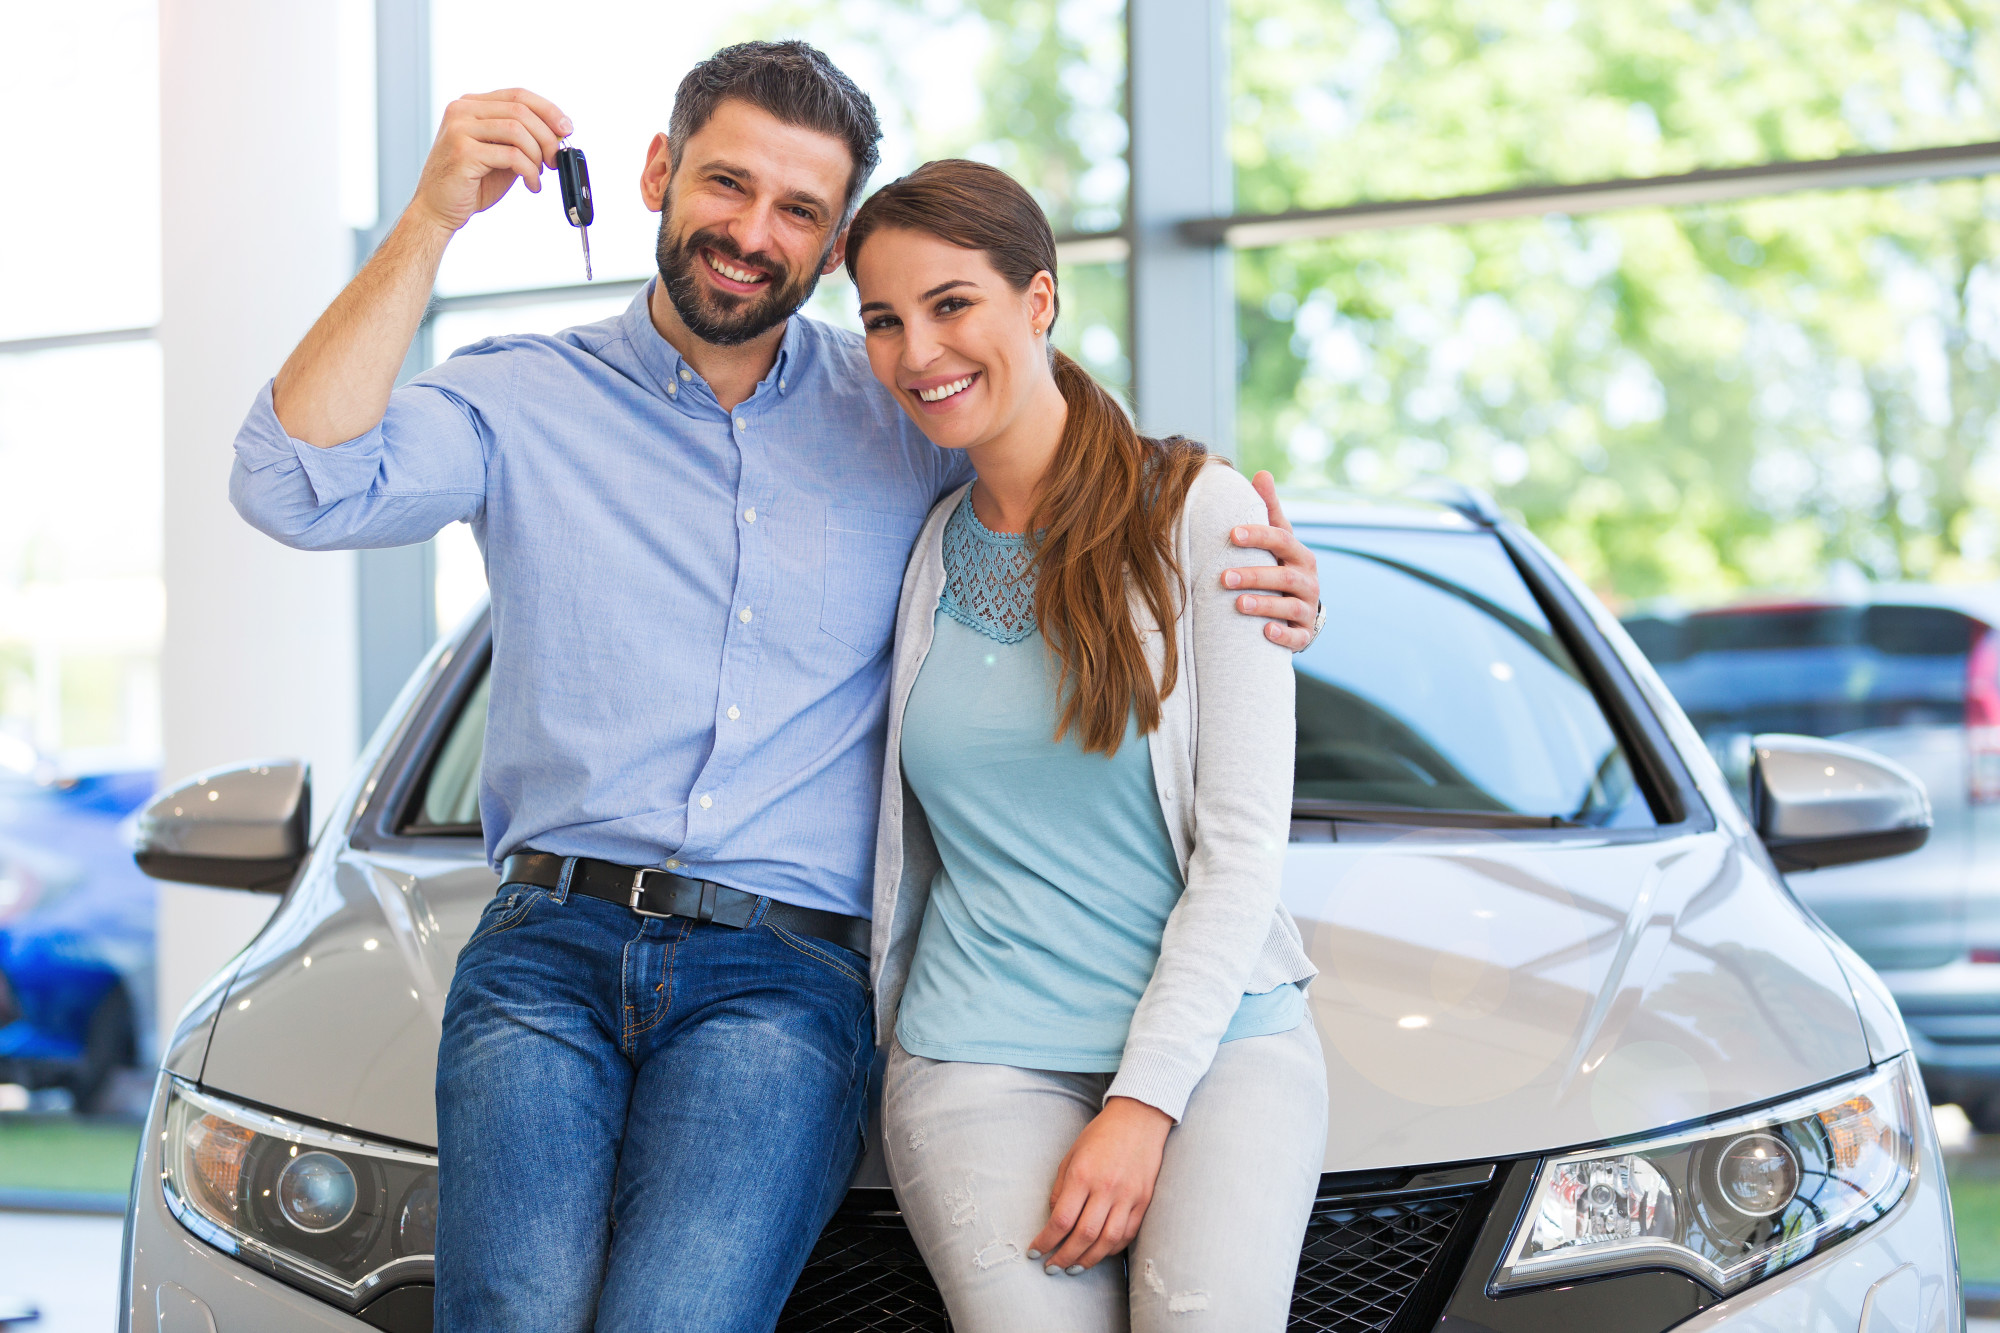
(707, 912)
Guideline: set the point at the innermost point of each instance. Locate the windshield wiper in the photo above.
(1364, 812)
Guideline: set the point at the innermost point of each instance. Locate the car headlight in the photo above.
(342, 1217)
(1730, 1202)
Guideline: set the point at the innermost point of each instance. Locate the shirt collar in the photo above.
(664, 362)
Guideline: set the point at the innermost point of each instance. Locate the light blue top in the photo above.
(1044, 922)
(691, 607)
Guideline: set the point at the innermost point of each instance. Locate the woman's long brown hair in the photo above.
(1103, 523)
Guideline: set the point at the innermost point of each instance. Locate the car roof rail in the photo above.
(1470, 501)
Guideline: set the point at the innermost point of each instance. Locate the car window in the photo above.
(1814, 670)
(1439, 684)
(449, 801)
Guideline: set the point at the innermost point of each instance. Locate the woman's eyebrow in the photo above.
(947, 286)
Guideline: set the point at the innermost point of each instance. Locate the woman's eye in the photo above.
(879, 323)
(951, 305)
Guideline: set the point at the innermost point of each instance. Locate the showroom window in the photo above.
(81, 602)
(1570, 254)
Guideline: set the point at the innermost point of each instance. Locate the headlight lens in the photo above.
(1729, 1203)
(342, 1217)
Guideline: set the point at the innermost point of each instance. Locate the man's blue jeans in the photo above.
(643, 1123)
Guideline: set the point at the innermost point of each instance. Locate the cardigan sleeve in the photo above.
(1244, 702)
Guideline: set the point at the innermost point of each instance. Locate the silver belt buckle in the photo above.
(639, 892)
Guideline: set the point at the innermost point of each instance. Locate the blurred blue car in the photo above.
(76, 932)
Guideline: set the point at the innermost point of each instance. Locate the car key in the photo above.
(574, 175)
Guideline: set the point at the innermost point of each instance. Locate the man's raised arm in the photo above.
(335, 385)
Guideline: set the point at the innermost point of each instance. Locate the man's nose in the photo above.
(752, 230)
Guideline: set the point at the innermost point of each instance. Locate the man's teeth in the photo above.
(733, 273)
(944, 391)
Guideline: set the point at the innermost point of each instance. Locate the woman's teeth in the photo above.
(944, 391)
(731, 272)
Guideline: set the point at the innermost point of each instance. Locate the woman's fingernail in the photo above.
(566, 127)
(1052, 1271)
(1074, 1270)
(1241, 535)
(1232, 578)
(1034, 1254)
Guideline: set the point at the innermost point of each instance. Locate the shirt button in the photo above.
(744, 615)
(734, 712)
(673, 865)
(781, 383)
(741, 424)
(672, 388)
(684, 373)
(707, 801)
(749, 516)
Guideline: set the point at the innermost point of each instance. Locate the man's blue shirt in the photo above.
(691, 607)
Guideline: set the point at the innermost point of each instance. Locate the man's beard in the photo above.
(723, 318)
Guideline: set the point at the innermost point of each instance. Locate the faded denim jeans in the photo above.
(643, 1123)
(973, 1151)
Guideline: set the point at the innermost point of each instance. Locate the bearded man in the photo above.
(651, 1086)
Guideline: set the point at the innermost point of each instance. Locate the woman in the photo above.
(1096, 1000)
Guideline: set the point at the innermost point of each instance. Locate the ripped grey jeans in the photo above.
(973, 1151)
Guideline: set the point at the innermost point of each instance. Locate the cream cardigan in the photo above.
(1222, 764)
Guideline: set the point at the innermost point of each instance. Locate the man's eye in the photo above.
(726, 182)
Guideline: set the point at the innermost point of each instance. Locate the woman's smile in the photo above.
(940, 394)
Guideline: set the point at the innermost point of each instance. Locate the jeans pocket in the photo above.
(506, 911)
(833, 956)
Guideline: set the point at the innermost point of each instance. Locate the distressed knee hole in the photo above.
(996, 1252)
(1185, 1302)
(917, 1140)
(961, 1204)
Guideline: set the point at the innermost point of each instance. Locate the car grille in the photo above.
(1363, 1259)
(1367, 1251)
(865, 1275)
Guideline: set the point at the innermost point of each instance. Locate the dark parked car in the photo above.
(76, 932)
(1912, 673)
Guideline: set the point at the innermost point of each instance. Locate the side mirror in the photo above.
(1819, 803)
(247, 827)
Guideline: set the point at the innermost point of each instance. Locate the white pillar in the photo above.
(259, 655)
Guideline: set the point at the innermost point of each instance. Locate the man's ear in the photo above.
(837, 255)
(657, 174)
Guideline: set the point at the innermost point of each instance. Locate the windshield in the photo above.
(1439, 684)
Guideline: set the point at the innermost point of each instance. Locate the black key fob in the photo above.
(574, 174)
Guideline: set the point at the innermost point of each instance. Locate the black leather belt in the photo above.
(651, 892)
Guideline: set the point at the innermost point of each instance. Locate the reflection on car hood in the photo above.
(1483, 996)
(1480, 995)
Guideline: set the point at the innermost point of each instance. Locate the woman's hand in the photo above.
(1103, 1186)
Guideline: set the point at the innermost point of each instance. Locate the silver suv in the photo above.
(1912, 673)
(1592, 1067)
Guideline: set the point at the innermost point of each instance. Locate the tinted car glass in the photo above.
(1814, 670)
(449, 801)
(1440, 684)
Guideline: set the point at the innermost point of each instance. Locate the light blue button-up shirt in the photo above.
(691, 607)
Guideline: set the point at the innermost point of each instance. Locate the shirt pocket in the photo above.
(865, 552)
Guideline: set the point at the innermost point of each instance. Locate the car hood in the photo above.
(1480, 995)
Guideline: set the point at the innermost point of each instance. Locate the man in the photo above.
(695, 519)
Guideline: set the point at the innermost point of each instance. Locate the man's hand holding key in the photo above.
(485, 141)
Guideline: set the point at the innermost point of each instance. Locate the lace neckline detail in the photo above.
(989, 582)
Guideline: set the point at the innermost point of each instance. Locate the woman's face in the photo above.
(961, 349)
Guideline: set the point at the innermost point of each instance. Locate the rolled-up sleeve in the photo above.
(421, 468)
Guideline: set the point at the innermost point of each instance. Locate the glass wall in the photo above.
(1340, 101)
